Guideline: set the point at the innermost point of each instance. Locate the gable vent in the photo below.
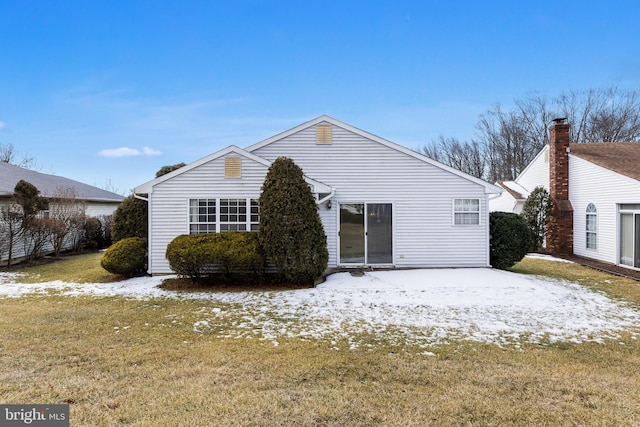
(232, 167)
(323, 134)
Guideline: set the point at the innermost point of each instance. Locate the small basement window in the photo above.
(323, 134)
(232, 167)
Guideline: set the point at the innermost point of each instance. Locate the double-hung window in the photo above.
(466, 211)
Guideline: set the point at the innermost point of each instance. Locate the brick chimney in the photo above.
(560, 228)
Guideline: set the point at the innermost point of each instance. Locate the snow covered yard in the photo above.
(409, 307)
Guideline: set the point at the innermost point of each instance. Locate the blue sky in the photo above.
(110, 91)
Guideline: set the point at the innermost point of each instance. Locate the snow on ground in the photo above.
(414, 307)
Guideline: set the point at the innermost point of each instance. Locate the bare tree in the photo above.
(465, 156)
(8, 154)
(10, 228)
(508, 140)
(37, 233)
(67, 216)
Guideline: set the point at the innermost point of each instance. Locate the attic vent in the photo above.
(232, 167)
(323, 134)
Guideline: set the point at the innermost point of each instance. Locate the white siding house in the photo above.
(381, 204)
(604, 192)
(98, 202)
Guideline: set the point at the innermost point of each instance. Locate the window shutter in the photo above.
(232, 167)
(323, 134)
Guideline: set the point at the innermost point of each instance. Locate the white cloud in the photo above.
(151, 152)
(2, 124)
(128, 152)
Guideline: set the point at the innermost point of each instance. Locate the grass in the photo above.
(614, 286)
(126, 362)
(84, 268)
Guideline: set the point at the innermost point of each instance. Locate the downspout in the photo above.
(146, 199)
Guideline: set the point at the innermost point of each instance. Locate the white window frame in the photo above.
(195, 219)
(591, 227)
(460, 213)
(246, 208)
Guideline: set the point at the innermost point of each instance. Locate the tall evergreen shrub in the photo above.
(510, 239)
(130, 219)
(537, 212)
(291, 231)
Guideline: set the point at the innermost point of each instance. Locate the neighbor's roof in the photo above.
(49, 184)
(516, 191)
(620, 157)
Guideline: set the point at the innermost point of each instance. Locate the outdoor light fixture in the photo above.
(329, 204)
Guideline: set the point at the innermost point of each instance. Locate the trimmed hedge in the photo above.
(127, 257)
(510, 239)
(197, 256)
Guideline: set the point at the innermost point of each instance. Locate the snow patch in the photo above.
(405, 307)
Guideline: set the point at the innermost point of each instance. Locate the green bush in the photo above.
(537, 211)
(94, 234)
(197, 256)
(291, 232)
(510, 239)
(130, 219)
(127, 257)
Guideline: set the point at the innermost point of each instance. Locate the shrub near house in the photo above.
(127, 257)
(510, 239)
(291, 236)
(198, 256)
(291, 231)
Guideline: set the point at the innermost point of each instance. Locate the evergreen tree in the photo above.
(291, 232)
(537, 212)
(130, 219)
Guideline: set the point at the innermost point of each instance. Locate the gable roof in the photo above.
(489, 188)
(620, 157)
(48, 185)
(516, 191)
(147, 187)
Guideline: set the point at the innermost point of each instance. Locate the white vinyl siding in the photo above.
(589, 183)
(169, 201)
(362, 170)
(537, 172)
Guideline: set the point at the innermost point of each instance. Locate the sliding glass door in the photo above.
(630, 239)
(366, 233)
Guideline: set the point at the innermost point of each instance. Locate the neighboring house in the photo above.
(596, 193)
(381, 204)
(98, 202)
